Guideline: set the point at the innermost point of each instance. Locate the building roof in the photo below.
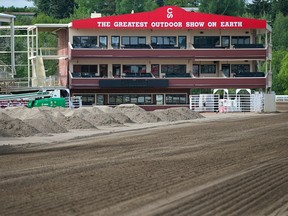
(169, 17)
(6, 17)
(51, 27)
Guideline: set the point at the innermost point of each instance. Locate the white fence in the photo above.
(281, 98)
(227, 102)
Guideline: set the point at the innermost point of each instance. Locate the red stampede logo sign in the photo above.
(169, 13)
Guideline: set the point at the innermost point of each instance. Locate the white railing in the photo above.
(227, 103)
(204, 102)
(281, 98)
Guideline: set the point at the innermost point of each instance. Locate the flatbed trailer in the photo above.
(50, 98)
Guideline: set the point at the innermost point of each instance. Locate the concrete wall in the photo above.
(269, 103)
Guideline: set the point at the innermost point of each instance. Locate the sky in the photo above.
(15, 3)
(23, 3)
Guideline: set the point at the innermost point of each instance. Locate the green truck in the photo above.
(50, 98)
(49, 102)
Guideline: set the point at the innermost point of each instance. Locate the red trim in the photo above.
(212, 54)
(169, 17)
(185, 83)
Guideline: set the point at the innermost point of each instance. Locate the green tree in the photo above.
(56, 8)
(280, 72)
(223, 7)
(127, 6)
(260, 8)
(160, 3)
(280, 6)
(277, 60)
(182, 3)
(280, 32)
(283, 74)
(106, 7)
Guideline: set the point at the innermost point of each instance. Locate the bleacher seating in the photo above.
(177, 75)
(248, 46)
(84, 75)
(162, 46)
(138, 75)
(137, 46)
(206, 46)
(250, 74)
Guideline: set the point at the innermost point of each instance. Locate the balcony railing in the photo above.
(171, 46)
(249, 74)
(168, 75)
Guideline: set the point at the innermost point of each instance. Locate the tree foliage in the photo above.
(280, 6)
(106, 7)
(280, 32)
(280, 72)
(64, 11)
(58, 9)
(182, 3)
(283, 74)
(223, 7)
(260, 8)
(127, 6)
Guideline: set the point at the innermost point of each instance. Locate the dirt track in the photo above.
(221, 167)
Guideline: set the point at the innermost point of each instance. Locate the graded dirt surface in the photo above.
(219, 165)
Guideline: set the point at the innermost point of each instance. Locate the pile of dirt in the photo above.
(22, 121)
(137, 114)
(68, 122)
(13, 127)
(92, 115)
(114, 113)
(176, 114)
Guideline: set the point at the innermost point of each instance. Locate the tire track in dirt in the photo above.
(234, 195)
(115, 179)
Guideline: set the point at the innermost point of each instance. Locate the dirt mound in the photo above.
(176, 114)
(38, 118)
(114, 113)
(92, 115)
(68, 122)
(11, 127)
(22, 121)
(137, 114)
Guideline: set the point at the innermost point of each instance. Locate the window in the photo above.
(84, 41)
(140, 99)
(163, 40)
(225, 41)
(87, 99)
(85, 69)
(115, 42)
(116, 70)
(240, 68)
(182, 42)
(103, 42)
(155, 70)
(133, 40)
(134, 68)
(176, 99)
(206, 41)
(208, 68)
(100, 100)
(173, 69)
(103, 69)
(226, 69)
(196, 71)
(240, 40)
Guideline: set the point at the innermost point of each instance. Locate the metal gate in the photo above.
(204, 102)
(227, 102)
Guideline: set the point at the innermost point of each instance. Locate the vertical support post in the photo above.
(12, 47)
(28, 56)
(36, 66)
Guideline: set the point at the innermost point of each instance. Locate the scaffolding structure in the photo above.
(34, 54)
